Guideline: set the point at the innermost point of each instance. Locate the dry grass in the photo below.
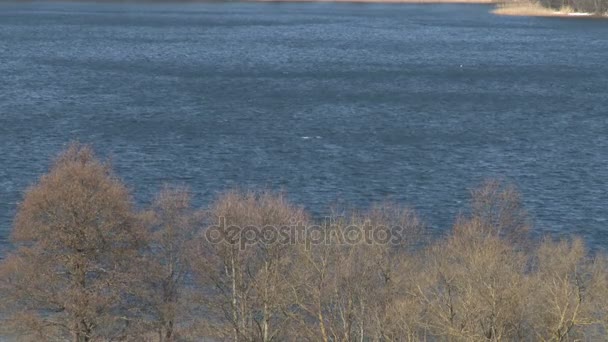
(523, 9)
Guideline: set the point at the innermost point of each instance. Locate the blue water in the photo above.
(334, 103)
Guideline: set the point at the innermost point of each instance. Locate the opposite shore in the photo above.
(524, 9)
(505, 8)
(388, 1)
(529, 9)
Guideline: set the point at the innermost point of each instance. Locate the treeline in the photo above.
(599, 7)
(88, 266)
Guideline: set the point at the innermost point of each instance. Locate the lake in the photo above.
(337, 104)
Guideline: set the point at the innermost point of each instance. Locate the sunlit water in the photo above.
(334, 103)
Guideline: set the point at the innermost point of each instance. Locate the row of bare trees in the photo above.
(88, 266)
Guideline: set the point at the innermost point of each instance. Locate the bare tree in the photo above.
(76, 237)
(473, 284)
(242, 278)
(597, 292)
(473, 287)
(498, 209)
(172, 224)
(562, 296)
(347, 282)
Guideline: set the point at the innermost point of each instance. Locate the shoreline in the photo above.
(534, 10)
(430, 2)
(502, 8)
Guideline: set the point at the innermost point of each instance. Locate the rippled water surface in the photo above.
(331, 102)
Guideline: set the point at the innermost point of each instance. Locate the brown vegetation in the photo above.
(598, 7)
(554, 8)
(245, 292)
(78, 240)
(87, 266)
(533, 9)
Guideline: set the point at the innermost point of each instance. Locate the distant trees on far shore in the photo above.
(88, 266)
(582, 6)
